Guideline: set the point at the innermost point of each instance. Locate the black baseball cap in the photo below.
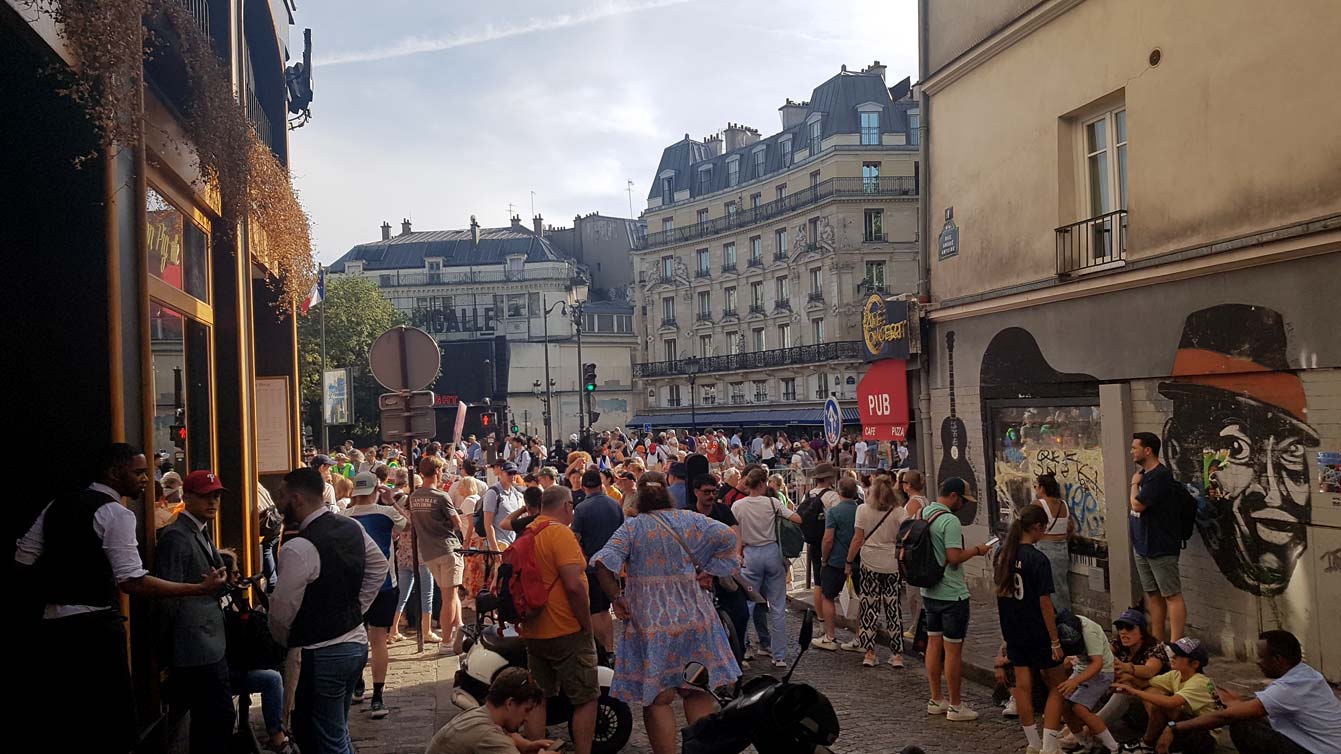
(321, 459)
(958, 486)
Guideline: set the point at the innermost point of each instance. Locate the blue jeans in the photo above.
(321, 704)
(405, 580)
(270, 685)
(268, 566)
(765, 569)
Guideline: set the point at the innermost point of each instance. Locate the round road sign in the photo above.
(833, 420)
(405, 358)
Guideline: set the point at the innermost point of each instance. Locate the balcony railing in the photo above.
(821, 395)
(779, 256)
(891, 186)
(700, 273)
(708, 400)
(778, 357)
(400, 278)
(704, 317)
(782, 305)
(731, 312)
(756, 308)
(737, 398)
(1091, 243)
(672, 402)
(815, 297)
(755, 262)
(729, 267)
(668, 322)
(789, 396)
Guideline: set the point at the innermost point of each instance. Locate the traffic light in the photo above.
(589, 377)
(486, 419)
(178, 434)
(514, 429)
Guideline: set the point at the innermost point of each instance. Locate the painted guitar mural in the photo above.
(954, 444)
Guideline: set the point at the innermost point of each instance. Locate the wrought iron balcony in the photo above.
(779, 256)
(708, 400)
(737, 398)
(756, 308)
(1091, 243)
(672, 402)
(702, 273)
(777, 357)
(755, 262)
(729, 267)
(782, 304)
(704, 317)
(730, 312)
(815, 297)
(400, 278)
(668, 322)
(857, 188)
(761, 397)
(789, 396)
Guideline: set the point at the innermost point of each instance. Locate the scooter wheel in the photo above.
(614, 725)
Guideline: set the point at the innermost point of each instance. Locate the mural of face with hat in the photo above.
(1234, 396)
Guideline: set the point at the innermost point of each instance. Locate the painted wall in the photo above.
(1231, 133)
(1240, 375)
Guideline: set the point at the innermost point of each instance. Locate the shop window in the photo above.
(1029, 440)
(180, 352)
(178, 249)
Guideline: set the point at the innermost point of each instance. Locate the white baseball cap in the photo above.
(365, 483)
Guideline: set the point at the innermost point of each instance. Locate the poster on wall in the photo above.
(274, 443)
(1329, 474)
(335, 385)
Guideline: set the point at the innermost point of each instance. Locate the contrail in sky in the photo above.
(492, 33)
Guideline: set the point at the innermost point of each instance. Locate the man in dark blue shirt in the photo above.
(1154, 537)
(594, 522)
(678, 474)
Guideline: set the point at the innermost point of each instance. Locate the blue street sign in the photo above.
(833, 421)
(647, 429)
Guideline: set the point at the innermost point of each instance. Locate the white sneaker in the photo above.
(1010, 710)
(825, 643)
(937, 707)
(852, 646)
(960, 714)
(764, 652)
(749, 653)
(1067, 740)
(1032, 750)
(779, 664)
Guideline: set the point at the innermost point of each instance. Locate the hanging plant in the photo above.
(109, 41)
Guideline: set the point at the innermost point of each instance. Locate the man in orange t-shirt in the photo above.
(560, 650)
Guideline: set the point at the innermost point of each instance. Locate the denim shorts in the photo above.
(1159, 574)
(1091, 692)
(947, 619)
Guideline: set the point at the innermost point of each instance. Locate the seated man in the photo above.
(492, 729)
(1297, 713)
(1183, 693)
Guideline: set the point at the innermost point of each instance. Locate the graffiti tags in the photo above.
(1082, 485)
(1333, 560)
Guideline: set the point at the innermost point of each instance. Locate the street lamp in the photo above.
(691, 367)
(575, 312)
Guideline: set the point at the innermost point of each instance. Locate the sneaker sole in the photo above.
(380, 715)
(960, 718)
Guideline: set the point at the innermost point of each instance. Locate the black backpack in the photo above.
(811, 512)
(916, 552)
(1186, 505)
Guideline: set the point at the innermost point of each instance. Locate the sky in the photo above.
(436, 110)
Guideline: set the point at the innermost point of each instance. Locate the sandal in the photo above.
(432, 638)
(398, 636)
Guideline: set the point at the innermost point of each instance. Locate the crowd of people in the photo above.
(636, 555)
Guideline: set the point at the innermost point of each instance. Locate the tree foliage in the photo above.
(355, 315)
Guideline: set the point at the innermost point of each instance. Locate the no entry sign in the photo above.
(882, 401)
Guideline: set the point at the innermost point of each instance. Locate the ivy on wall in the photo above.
(110, 40)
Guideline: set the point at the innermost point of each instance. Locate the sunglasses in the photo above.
(1125, 626)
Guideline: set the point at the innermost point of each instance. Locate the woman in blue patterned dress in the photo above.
(669, 619)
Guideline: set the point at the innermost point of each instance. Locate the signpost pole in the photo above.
(325, 430)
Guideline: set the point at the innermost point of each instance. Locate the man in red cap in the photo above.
(193, 628)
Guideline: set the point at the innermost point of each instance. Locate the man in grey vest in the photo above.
(330, 573)
(79, 555)
(193, 642)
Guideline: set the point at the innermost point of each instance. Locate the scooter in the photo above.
(488, 648)
(776, 715)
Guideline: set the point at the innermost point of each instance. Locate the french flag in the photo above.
(317, 293)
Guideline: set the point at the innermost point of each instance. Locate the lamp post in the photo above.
(575, 312)
(691, 367)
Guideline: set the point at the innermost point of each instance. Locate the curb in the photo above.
(979, 674)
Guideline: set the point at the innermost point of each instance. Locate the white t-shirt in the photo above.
(860, 449)
(756, 516)
(877, 550)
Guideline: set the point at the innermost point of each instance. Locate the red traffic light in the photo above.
(484, 420)
(181, 433)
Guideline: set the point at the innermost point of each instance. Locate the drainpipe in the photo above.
(923, 247)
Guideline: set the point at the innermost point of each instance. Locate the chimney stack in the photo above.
(875, 68)
(739, 135)
(386, 231)
(539, 224)
(714, 143)
(405, 226)
(474, 231)
(516, 222)
(792, 113)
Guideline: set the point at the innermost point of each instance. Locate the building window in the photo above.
(786, 146)
(780, 237)
(914, 127)
(815, 137)
(624, 323)
(733, 342)
(668, 349)
(733, 171)
(668, 190)
(673, 395)
(780, 192)
(533, 305)
(729, 256)
(760, 159)
(757, 296)
(756, 249)
(788, 388)
(1106, 144)
(667, 268)
(784, 336)
(756, 199)
(821, 386)
(703, 270)
(875, 275)
(729, 307)
(816, 282)
(731, 208)
(870, 128)
(760, 391)
(179, 352)
(759, 342)
(709, 395)
(875, 225)
(780, 289)
(177, 248)
(814, 180)
(817, 330)
(516, 305)
(704, 305)
(814, 232)
(738, 392)
(668, 310)
(705, 345)
(384, 281)
(702, 216)
(704, 180)
(667, 224)
(870, 177)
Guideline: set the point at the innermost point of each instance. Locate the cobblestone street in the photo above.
(881, 709)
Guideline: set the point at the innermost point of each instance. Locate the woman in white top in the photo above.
(873, 541)
(1055, 537)
(756, 529)
(768, 454)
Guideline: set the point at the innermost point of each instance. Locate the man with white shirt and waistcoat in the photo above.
(330, 573)
(79, 556)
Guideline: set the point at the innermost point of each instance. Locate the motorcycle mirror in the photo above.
(696, 675)
(807, 629)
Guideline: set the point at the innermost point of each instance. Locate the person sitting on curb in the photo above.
(492, 729)
(1181, 694)
(1297, 713)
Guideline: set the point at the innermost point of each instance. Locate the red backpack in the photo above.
(522, 593)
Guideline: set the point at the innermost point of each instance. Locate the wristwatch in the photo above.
(1173, 726)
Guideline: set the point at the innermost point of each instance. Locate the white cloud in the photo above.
(492, 33)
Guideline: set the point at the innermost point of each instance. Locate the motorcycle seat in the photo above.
(511, 648)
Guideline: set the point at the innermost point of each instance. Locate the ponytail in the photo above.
(1049, 484)
(1003, 569)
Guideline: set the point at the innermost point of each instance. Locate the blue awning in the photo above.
(759, 417)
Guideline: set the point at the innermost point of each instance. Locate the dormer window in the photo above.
(704, 180)
(760, 161)
(516, 263)
(668, 189)
(870, 128)
(816, 134)
(733, 171)
(785, 144)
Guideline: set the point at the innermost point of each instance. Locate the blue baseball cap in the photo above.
(1132, 617)
(1192, 649)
